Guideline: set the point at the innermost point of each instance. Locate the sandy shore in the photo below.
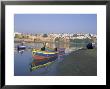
(79, 63)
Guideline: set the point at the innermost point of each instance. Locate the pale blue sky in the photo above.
(55, 23)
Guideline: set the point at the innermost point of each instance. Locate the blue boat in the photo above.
(21, 47)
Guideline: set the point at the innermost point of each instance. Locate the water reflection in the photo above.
(20, 51)
(44, 59)
(24, 63)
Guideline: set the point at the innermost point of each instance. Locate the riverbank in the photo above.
(79, 63)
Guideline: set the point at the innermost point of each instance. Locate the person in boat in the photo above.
(55, 49)
(89, 46)
(43, 48)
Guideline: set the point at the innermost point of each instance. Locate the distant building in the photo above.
(17, 33)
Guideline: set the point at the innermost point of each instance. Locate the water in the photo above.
(22, 61)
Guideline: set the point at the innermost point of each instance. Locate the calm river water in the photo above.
(23, 60)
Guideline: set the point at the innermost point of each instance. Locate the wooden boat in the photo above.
(34, 51)
(39, 58)
(55, 49)
(42, 57)
(42, 61)
(21, 47)
(45, 56)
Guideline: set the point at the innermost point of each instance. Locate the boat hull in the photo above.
(44, 58)
(21, 47)
(41, 61)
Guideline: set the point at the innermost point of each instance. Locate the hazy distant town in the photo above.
(52, 37)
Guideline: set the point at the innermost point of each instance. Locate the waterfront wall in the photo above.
(42, 39)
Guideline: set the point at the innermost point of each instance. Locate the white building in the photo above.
(17, 33)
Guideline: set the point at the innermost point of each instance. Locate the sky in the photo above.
(55, 23)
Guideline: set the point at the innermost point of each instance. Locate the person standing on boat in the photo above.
(55, 49)
(44, 45)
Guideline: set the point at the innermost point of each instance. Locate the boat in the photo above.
(89, 46)
(49, 51)
(38, 51)
(35, 50)
(42, 60)
(42, 57)
(21, 47)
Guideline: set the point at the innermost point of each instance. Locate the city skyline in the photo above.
(55, 23)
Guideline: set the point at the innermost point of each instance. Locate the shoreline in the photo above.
(82, 62)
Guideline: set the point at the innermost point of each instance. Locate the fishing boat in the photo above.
(21, 47)
(42, 60)
(42, 57)
(38, 51)
(49, 50)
